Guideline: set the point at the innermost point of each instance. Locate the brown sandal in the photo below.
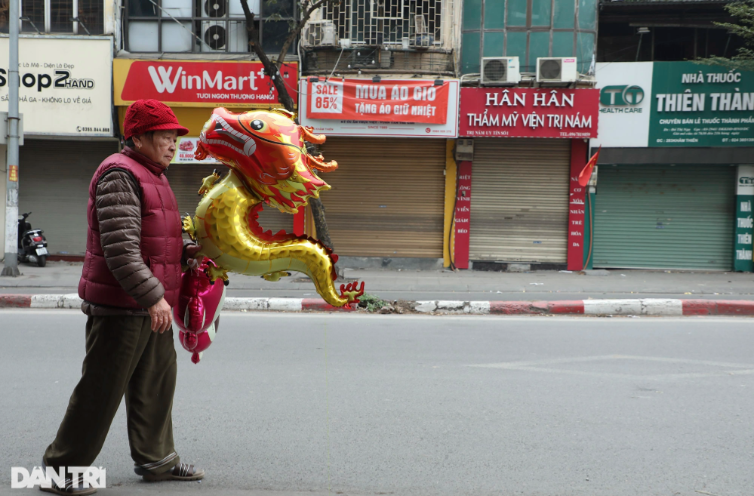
(181, 472)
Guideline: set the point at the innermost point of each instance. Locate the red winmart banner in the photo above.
(529, 112)
(390, 100)
(199, 83)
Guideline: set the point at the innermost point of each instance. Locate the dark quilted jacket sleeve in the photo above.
(118, 209)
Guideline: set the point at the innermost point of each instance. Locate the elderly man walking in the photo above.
(130, 281)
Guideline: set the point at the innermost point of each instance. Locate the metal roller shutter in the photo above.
(663, 216)
(519, 200)
(387, 196)
(186, 179)
(54, 179)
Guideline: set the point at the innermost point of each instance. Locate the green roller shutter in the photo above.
(663, 216)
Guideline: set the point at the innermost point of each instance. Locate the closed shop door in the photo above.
(54, 178)
(663, 216)
(186, 179)
(387, 196)
(519, 200)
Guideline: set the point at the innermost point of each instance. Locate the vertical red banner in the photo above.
(462, 216)
(576, 207)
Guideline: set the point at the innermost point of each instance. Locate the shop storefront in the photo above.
(518, 200)
(66, 104)
(193, 88)
(666, 192)
(389, 137)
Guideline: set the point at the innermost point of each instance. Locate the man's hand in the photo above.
(162, 316)
(191, 259)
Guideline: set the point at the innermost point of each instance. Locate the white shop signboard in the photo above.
(66, 84)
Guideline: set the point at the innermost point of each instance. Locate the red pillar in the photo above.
(299, 219)
(577, 196)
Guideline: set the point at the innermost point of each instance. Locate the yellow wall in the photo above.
(450, 196)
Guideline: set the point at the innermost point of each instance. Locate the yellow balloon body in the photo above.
(269, 165)
(221, 225)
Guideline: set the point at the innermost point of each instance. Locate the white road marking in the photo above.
(543, 366)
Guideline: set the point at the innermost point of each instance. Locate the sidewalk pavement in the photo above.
(599, 292)
(63, 278)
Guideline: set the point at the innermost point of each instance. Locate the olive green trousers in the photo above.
(123, 357)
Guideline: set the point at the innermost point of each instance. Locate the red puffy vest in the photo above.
(161, 240)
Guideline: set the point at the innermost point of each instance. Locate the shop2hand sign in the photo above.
(397, 100)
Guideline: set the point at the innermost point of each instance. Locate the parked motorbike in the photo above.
(32, 245)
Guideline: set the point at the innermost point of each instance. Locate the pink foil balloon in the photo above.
(199, 306)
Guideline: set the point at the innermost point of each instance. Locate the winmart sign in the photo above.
(192, 83)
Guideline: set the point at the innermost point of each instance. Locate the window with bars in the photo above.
(178, 26)
(401, 23)
(57, 16)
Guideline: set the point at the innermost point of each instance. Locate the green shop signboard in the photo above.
(699, 105)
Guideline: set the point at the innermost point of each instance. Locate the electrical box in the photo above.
(464, 150)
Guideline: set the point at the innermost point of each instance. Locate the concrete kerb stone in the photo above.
(70, 300)
(15, 301)
(426, 306)
(647, 306)
(453, 306)
(659, 306)
(286, 304)
(612, 307)
(45, 301)
(246, 304)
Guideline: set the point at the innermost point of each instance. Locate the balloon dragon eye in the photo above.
(256, 124)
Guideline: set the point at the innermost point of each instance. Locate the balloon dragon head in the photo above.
(267, 149)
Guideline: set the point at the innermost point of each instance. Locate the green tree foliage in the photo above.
(744, 59)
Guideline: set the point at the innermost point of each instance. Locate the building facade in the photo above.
(380, 80)
(65, 53)
(527, 110)
(673, 193)
(195, 56)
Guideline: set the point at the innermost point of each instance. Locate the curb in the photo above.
(72, 300)
(647, 306)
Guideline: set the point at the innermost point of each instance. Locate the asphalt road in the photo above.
(419, 405)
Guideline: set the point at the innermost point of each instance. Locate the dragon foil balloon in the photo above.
(269, 165)
(198, 310)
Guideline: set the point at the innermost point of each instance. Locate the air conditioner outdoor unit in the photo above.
(221, 8)
(319, 33)
(557, 70)
(214, 8)
(216, 35)
(500, 71)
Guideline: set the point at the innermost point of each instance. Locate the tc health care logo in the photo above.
(613, 96)
(622, 99)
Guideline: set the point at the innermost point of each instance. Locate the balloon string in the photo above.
(327, 408)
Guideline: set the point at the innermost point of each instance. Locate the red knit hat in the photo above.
(150, 115)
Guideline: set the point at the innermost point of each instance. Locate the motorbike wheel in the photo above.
(42, 261)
